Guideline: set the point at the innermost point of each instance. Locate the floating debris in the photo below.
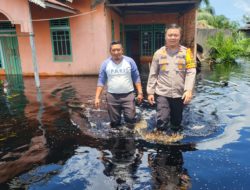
(156, 136)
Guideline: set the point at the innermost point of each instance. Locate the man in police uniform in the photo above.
(171, 79)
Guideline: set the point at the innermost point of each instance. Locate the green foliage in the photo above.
(215, 21)
(222, 72)
(226, 49)
(244, 44)
(208, 19)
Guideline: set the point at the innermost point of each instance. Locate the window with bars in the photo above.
(159, 39)
(147, 38)
(152, 38)
(6, 26)
(61, 41)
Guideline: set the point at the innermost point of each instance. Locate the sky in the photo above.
(232, 9)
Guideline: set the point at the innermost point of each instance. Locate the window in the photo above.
(5, 28)
(159, 36)
(152, 38)
(61, 42)
(146, 39)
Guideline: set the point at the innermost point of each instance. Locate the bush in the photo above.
(226, 49)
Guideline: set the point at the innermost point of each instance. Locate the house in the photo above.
(72, 37)
(246, 29)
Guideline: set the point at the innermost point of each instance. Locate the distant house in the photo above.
(246, 29)
(72, 37)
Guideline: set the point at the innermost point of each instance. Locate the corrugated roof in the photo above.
(38, 2)
(58, 3)
(54, 4)
(152, 6)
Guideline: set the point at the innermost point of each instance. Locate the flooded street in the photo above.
(53, 138)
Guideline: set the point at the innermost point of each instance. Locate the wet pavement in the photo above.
(53, 138)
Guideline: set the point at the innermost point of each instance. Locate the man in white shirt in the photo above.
(119, 72)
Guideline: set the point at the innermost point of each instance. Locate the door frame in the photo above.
(1, 55)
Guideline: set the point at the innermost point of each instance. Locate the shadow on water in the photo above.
(53, 137)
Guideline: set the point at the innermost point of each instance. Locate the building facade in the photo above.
(72, 37)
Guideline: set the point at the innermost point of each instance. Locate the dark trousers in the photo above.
(169, 109)
(118, 103)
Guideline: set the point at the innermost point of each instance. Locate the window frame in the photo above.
(59, 28)
(152, 29)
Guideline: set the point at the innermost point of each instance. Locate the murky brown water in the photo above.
(49, 141)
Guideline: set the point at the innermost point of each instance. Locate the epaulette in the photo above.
(183, 48)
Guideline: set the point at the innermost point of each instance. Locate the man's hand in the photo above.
(151, 99)
(97, 103)
(97, 96)
(139, 97)
(187, 97)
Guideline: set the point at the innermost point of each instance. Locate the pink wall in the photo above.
(88, 40)
(90, 34)
(17, 12)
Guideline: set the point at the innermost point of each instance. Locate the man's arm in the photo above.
(100, 84)
(190, 77)
(139, 92)
(152, 79)
(98, 93)
(137, 80)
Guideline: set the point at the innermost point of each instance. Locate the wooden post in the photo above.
(33, 49)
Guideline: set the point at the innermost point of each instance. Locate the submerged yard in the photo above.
(53, 138)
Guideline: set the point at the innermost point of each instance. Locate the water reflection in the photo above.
(123, 161)
(230, 103)
(167, 170)
(55, 142)
(13, 100)
(18, 154)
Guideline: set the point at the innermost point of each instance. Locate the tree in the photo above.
(208, 19)
(206, 2)
(208, 8)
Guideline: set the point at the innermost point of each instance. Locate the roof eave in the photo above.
(60, 7)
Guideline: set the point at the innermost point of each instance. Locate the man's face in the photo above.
(116, 52)
(173, 37)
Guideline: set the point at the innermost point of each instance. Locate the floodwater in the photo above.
(53, 138)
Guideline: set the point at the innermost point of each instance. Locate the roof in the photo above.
(38, 2)
(54, 4)
(246, 27)
(152, 6)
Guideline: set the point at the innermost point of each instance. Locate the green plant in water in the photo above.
(227, 48)
(222, 72)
